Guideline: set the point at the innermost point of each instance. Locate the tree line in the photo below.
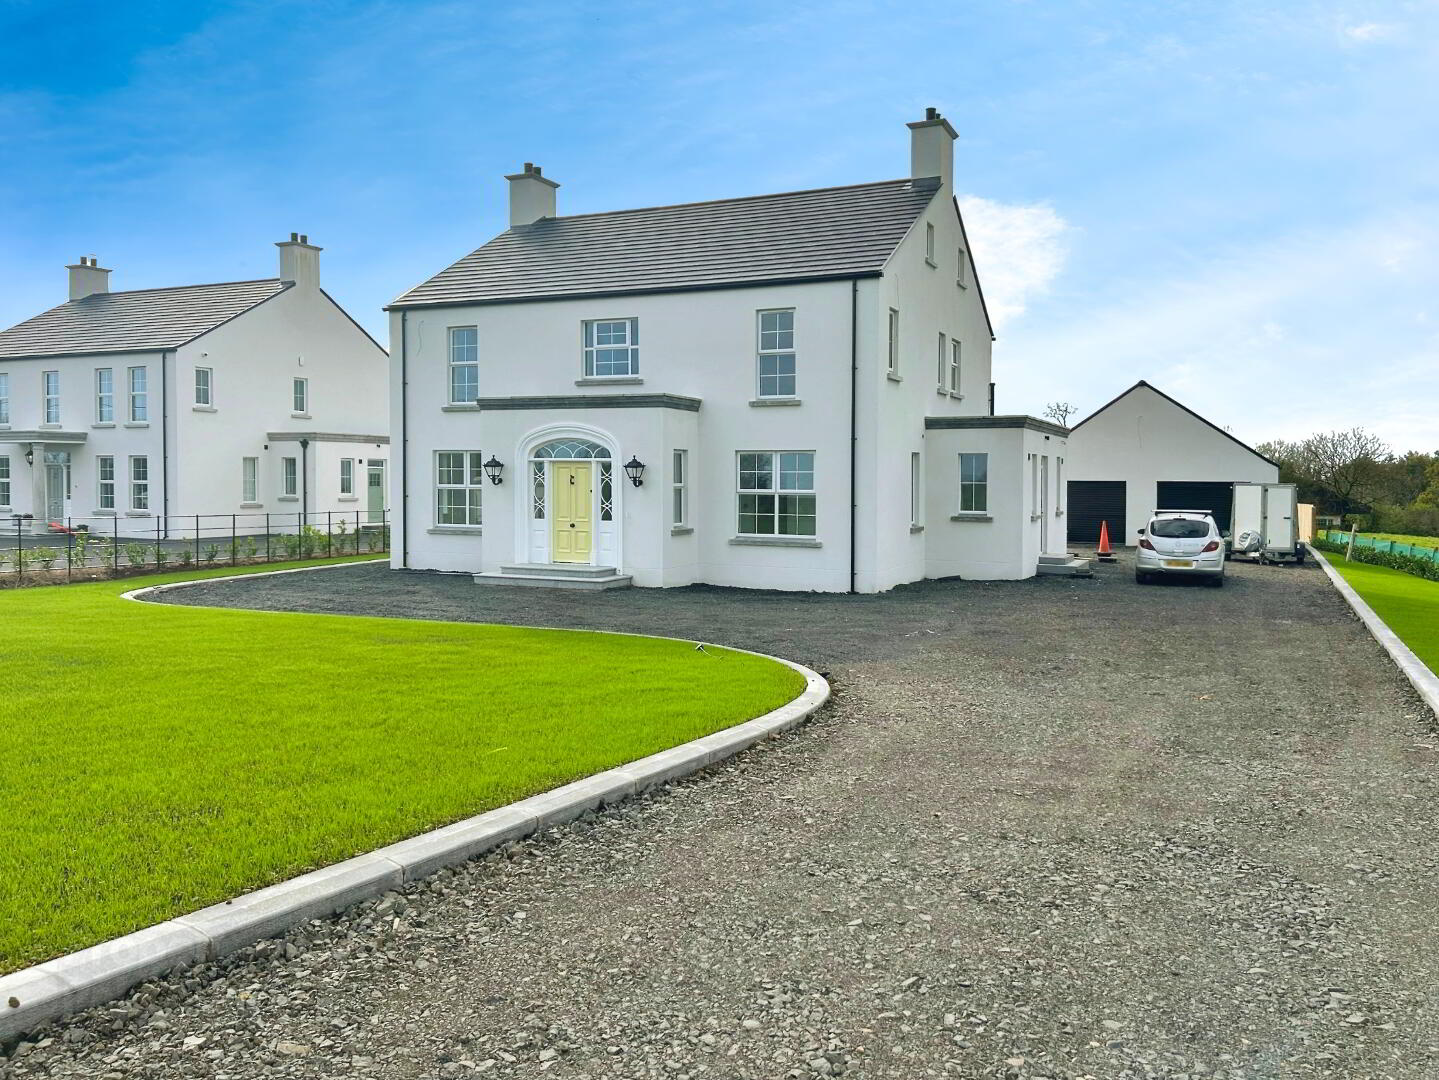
(1355, 474)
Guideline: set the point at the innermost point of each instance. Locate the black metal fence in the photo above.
(97, 547)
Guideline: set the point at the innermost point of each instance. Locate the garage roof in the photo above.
(1177, 404)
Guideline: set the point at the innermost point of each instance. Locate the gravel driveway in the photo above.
(1051, 828)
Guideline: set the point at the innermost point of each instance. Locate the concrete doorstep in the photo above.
(1415, 670)
(81, 980)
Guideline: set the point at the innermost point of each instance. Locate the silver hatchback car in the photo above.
(1180, 543)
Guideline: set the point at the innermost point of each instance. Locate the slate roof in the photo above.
(142, 320)
(817, 235)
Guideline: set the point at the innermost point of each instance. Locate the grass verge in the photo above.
(160, 758)
(1408, 604)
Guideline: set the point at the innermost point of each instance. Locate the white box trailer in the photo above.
(1264, 525)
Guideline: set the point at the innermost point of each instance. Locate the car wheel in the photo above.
(1217, 581)
(1141, 578)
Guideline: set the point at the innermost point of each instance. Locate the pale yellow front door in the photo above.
(571, 529)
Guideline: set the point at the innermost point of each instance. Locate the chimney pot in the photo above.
(931, 113)
(294, 238)
(304, 238)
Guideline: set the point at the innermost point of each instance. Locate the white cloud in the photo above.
(1280, 339)
(1369, 31)
(1019, 249)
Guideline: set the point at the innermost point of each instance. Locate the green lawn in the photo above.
(161, 758)
(1409, 604)
(1402, 538)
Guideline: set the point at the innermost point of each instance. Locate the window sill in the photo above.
(893, 377)
(300, 416)
(455, 530)
(775, 541)
(49, 427)
(1059, 513)
(456, 406)
(970, 517)
(138, 513)
(348, 498)
(961, 284)
(287, 498)
(916, 528)
(102, 513)
(1035, 517)
(202, 408)
(765, 402)
(137, 423)
(681, 530)
(609, 380)
(102, 425)
(957, 396)
(4, 427)
(251, 505)
(931, 263)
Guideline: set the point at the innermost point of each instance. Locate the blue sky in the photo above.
(1236, 201)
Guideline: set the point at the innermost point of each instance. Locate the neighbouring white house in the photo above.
(783, 391)
(132, 412)
(1143, 452)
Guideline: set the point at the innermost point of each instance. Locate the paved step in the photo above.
(564, 570)
(581, 582)
(1070, 568)
(1059, 559)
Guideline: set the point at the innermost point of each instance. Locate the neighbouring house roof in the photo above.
(1176, 404)
(819, 235)
(141, 320)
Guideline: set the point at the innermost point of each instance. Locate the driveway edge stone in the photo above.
(1414, 669)
(34, 996)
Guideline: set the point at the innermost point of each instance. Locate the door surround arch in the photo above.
(532, 534)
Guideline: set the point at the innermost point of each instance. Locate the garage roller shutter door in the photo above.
(1214, 496)
(1093, 501)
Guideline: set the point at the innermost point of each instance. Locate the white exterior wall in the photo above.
(120, 438)
(698, 345)
(1143, 438)
(298, 334)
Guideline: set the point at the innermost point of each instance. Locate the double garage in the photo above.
(1143, 452)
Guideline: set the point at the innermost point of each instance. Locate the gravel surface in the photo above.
(1063, 828)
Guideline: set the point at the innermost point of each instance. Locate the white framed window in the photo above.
(347, 476)
(776, 354)
(105, 482)
(104, 395)
(916, 494)
(974, 483)
(943, 369)
(929, 244)
(289, 476)
(464, 365)
(50, 385)
(954, 365)
(204, 386)
(139, 483)
(139, 395)
(612, 348)
(300, 397)
(459, 487)
(776, 493)
(893, 357)
(250, 479)
(961, 276)
(679, 489)
(4, 481)
(4, 397)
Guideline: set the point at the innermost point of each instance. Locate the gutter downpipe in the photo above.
(304, 482)
(853, 423)
(164, 442)
(404, 441)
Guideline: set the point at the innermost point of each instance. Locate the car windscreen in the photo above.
(1179, 528)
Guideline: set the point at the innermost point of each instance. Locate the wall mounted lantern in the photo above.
(635, 470)
(493, 468)
(30, 456)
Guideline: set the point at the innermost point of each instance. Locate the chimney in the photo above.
(532, 196)
(931, 148)
(300, 261)
(87, 278)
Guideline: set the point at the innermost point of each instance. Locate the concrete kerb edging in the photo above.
(1414, 669)
(81, 980)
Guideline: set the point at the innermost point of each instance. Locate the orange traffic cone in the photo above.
(1105, 553)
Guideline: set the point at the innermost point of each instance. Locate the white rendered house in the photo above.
(134, 411)
(783, 391)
